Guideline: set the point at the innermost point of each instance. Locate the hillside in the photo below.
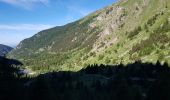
(4, 49)
(128, 31)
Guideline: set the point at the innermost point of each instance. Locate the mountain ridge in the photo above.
(4, 49)
(123, 32)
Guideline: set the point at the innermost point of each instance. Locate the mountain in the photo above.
(124, 32)
(4, 49)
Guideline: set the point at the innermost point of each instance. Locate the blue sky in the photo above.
(20, 19)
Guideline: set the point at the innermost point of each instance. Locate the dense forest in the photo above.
(136, 81)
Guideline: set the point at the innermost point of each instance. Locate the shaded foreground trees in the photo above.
(9, 75)
(137, 81)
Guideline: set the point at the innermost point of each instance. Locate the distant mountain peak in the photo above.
(4, 49)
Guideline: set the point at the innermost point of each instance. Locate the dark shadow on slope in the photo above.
(137, 81)
(9, 79)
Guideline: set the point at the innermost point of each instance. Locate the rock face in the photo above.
(4, 49)
(126, 31)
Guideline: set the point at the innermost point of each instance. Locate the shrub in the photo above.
(146, 51)
(134, 32)
(107, 60)
(152, 20)
(114, 61)
(115, 51)
(101, 56)
(160, 56)
(92, 54)
(135, 57)
(146, 28)
(147, 45)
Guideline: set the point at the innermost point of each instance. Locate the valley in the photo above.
(124, 32)
(119, 52)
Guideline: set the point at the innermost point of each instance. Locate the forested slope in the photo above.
(127, 31)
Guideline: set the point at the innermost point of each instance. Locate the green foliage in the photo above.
(145, 47)
(93, 54)
(164, 28)
(161, 56)
(114, 61)
(134, 32)
(152, 20)
(85, 57)
(69, 47)
(107, 60)
(135, 57)
(115, 51)
(101, 56)
(146, 28)
(146, 51)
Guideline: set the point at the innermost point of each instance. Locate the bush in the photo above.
(101, 56)
(134, 32)
(146, 28)
(114, 61)
(152, 20)
(93, 54)
(147, 45)
(161, 56)
(107, 60)
(135, 57)
(146, 51)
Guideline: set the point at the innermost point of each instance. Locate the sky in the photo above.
(20, 19)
